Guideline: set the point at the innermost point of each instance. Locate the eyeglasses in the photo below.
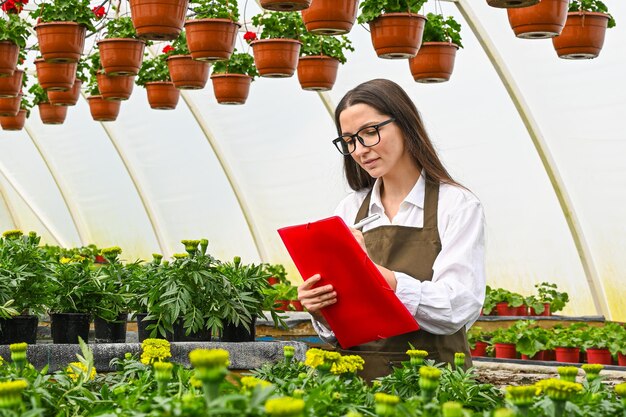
(368, 136)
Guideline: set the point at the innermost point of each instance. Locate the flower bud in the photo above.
(386, 404)
(162, 371)
(459, 360)
(429, 378)
(11, 393)
(416, 357)
(567, 373)
(284, 407)
(558, 389)
(452, 409)
(211, 364)
(523, 395)
(592, 371)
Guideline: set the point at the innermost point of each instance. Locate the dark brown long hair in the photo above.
(390, 99)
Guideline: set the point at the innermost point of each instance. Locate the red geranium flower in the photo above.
(168, 49)
(250, 36)
(99, 11)
(13, 6)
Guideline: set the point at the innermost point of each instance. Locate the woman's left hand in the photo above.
(358, 235)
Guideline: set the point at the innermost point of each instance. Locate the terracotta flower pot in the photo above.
(56, 76)
(158, 19)
(9, 106)
(270, 280)
(568, 355)
(508, 4)
(211, 39)
(549, 355)
(330, 17)
(541, 21)
(536, 357)
(9, 53)
(187, 73)
(504, 309)
(285, 5)
(545, 312)
(601, 356)
(52, 115)
(61, 41)
(505, 350)
(480, 349)
(14, 122)
(434, 62)
(283, 305)
(397, 35)
(115, 87)
(10, 86)
(233, 89)
(121, 56)
(66, 98)
(162, 95)
(103, 110)
(317, 73)
(276, 58)
(583, 36)
(621, 359)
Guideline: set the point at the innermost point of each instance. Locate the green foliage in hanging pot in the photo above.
(239, 63)
(14, 29)
(279, 25)
(178, 47)
(26, 105)
(332, 46)
(121, 27)
(153, 69)
(371, 9)
(442, 29)
(78, 11)
(596, 6)
(38, 93)
(215, 9)
(88, 71)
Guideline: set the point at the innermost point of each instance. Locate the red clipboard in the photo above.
(367, 309)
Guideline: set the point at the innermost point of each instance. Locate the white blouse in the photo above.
(455, 295)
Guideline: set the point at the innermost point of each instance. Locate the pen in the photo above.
(366, 220)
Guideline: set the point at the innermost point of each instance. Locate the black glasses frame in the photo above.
(337, 141)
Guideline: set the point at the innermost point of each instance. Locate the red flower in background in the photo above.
(250, 36)
(99, 11)
(14, 6)
(168, 49)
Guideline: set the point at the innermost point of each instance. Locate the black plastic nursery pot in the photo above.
(67, 327)
(232, 333)
(202, 335)
(111, 331)
(19, 329)
(143, 334)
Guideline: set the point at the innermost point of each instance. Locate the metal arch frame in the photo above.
(133, 177)
(594, 282)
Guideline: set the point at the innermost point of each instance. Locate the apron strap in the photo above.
(364, 209)
(431, 200)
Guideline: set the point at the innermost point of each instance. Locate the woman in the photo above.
(428, 243)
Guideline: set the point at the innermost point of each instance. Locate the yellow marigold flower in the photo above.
(211, 364)
(180, 255)
(504, 412)
(249, 382)
(314, 358)
(65, 260)
(349, 364)
(75, 369)
(195, 382)
(155, 350)
(567, 373)
(592, 370)
(452, 409)
(12, 234)
(523, 395)
(284, 407)
(162, 371)
(558, 389)
(11, 393)
(111, 252)
(620, 389)
(416, 356)
(459, 359)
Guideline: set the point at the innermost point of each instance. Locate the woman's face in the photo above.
(389, 154)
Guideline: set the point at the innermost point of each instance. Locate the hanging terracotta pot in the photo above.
(9, 106)
(56, 76)
(61, 41)
(582, 36)
(103, 110)
(9, 53)
(11, 86)
(541, 21)
(231, 88)
(121, 56)
(162, 95)
(52, 115)
(276, 58)
(434, 62)
(115, 88)
(16, 122)
(330, 17)
(317, 73)
(187, 73)
(397, 35)
(285, 5)
(160, 20)
(66, 98)
(510, 4)
(211, 39)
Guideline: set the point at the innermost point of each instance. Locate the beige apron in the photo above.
(411, 250)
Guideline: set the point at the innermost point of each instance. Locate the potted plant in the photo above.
(285, 5)
(18, 121)
(185, 72)
(532, 340)
(395, 26)
(70, 97)
(160, 20)
(478, 341)
(330, 17)
(61, 28)
(101, 110)
(319, 61)
(617, 346)
(504, 341)
(547, 301)
(14, 32)
(212, 34)
(155, 77)
(232, 78)
(597, 341)
(540, 21)
(56, 76)
(434, 61)
(121, 52)
(566, 342)
(489, 304)
(10, 102)
(24, 276)
(285, 293)
(115, 88)
(49, 114)
(276, 52)
(508, 4)
(277, 273)
(583, 34)
(507, 303)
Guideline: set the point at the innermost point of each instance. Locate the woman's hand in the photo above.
(358, 235)
(314, 299)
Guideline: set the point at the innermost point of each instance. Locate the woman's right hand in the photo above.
(314, 299)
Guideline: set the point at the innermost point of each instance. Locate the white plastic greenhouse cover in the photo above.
(512, 118)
